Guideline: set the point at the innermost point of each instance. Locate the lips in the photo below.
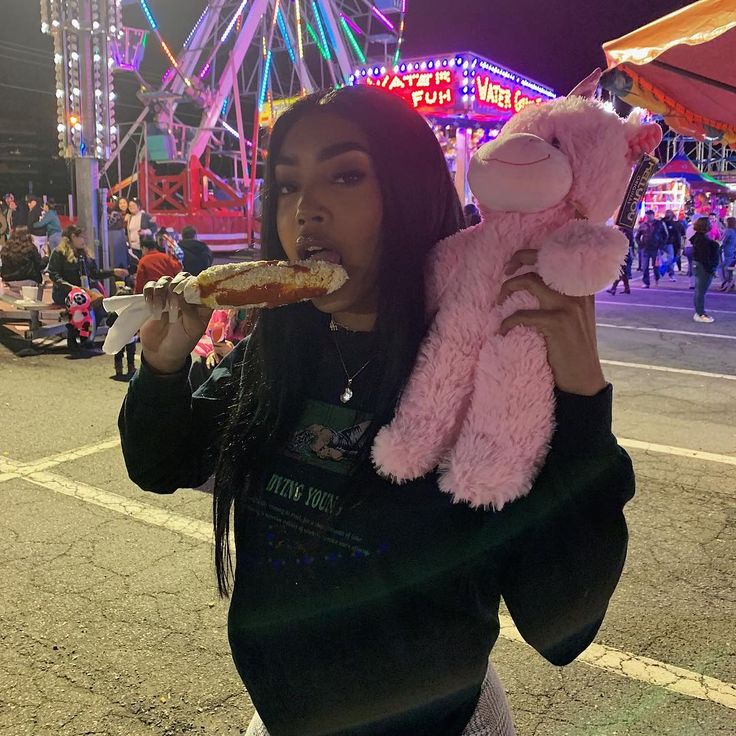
(316, 248)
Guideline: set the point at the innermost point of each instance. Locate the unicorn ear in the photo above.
(587, 87)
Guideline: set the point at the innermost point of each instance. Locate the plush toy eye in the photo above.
(556, 143)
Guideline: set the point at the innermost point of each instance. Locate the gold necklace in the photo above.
(347, 394)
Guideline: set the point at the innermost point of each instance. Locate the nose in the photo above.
(310, 210)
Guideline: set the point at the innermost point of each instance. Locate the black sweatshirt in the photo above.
(377, 617)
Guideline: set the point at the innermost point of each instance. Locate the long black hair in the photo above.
(420, 207)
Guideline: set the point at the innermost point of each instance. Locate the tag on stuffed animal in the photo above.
(629, 209)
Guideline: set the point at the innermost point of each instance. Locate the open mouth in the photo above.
(514, 163)
(323, 254)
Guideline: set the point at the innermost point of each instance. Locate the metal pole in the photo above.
(86, 167)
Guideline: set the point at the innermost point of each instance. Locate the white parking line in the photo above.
(644, 669)
(622, 663)
(665, 369)
(672, 332)
(63, 457)
(623, 303)
(679, 451)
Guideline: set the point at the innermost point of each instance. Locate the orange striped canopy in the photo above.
(683, 67)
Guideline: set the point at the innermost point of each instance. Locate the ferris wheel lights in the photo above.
(44, 27)
(58, 58)
(75, 91)
(98, 93)
(59, 94)
(430, 65)
(97, 58)
(95, 25)
(75, 56)
(61, 127)
(402, 68)
(423, 65)
(444, 62)
(149, 15)
(75, 23)
(55, 23)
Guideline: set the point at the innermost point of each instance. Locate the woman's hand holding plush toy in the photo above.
(567, 323)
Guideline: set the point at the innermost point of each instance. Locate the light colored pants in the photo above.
(492, 716)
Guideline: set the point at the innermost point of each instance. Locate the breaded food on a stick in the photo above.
(263, 283)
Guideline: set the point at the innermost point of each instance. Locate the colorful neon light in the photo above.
(232, 22)
(322, 50)
(446, 85)
(333, 40)
(149, 15)
(383, 18)
(299, 37)
(351, 39)
(353, 25)
(285, 36)
(321, 29)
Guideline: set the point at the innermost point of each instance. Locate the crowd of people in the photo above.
(36, 251)
(707, 244)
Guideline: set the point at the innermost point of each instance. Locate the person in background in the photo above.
(128, 351)
(650, 237)
(17, 216)
(166, 240)
(728, 255)
(197, 255)
(153, 265)
(625, 272)
(716, 227)
(705, 263)
(35, 213)
(21, 260)
(471, 214)
(4, 227)
(675, 234)
(71, 264)
(227, 327)
(137, 220)
(51, 223)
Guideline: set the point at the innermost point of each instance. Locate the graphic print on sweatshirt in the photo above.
(329, 437)
(304, 489)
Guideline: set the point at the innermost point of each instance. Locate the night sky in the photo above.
(556, 42)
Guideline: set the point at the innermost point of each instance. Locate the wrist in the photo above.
(162, 367)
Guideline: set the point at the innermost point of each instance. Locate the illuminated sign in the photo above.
(462, 84)
(422, 89)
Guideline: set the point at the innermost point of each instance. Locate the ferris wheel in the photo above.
(244, 61)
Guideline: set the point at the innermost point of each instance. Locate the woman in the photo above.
(705, 263)
(358, 606)
(72, 265)
(137, 220)
(50, 221)
(21, 260)
(728, 255)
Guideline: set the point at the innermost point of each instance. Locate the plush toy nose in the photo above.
(519, 173)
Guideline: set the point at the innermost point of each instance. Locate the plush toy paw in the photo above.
(398, 459)
(580, 258)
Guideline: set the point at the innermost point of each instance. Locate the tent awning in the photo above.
(681, 67)
(681, 167)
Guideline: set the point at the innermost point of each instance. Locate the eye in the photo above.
(286, 187)
(349, 177)
(556, 143)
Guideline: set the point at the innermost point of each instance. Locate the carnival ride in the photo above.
(242, 63)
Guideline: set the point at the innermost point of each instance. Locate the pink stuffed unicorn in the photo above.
(479, 405)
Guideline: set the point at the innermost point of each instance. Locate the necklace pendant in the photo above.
(346, 395)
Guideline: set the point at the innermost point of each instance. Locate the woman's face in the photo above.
(79, 242)
(123, 204)
(329, 197)
(132, 208)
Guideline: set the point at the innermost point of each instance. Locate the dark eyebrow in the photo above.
(326, 153)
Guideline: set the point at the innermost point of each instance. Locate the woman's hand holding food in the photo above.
(166, 343)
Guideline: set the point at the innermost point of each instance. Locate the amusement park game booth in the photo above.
(464, 97)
